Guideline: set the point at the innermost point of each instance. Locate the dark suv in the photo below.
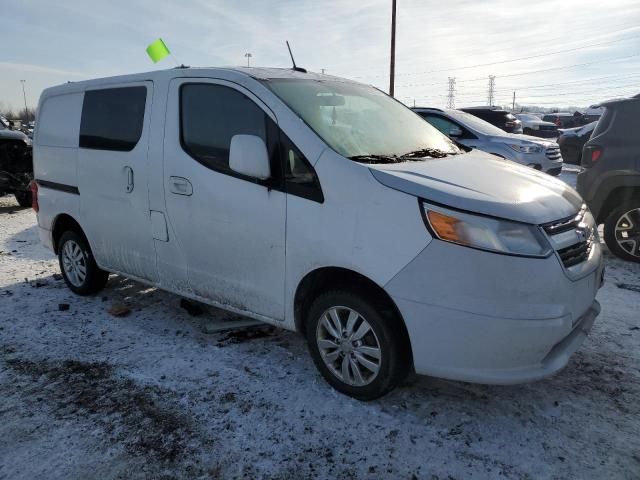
(16, 163)
(610, 182)
(503, 119)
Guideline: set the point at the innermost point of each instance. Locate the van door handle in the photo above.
(129, 171)
(180, 186)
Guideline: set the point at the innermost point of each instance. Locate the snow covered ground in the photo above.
(85, 394)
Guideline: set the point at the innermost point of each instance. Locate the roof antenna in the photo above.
(295, 67)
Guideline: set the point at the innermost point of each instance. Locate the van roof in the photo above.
(182, 71)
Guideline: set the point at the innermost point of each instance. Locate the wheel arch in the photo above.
(63, 223)
(618, 192)
(324, 279)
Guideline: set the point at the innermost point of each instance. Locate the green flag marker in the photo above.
(157, 50)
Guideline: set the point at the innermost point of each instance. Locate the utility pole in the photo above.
(492, 85)
(392, 69)
(513, 105)
(248, 56)
(24, 96)
(451, 100)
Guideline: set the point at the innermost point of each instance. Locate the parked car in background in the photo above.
(502, 119)
(474, 132)
(560, 120)
(610, 181)
(534, 125)
(567, 120)
(16, 164)
(233, 187)
(572, 140)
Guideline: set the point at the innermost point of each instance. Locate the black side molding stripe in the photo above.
(58, 186)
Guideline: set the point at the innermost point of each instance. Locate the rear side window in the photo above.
(59, 121)
(112, 118)
(210, 115)
(603, 123)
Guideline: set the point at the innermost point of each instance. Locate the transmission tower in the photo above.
(492, 85)
(451, 100)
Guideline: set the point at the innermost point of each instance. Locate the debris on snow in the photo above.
(119, 310)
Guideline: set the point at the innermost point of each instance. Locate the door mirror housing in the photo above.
(455, 132)
(248, 155)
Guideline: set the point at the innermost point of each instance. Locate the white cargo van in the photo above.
(319, 205)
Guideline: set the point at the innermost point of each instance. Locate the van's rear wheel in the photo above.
(622, 231)
(79, 269)
(356, 348)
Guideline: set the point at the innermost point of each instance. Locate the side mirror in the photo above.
(455, 132)
(248, 156)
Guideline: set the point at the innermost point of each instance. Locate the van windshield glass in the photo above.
(362, 123)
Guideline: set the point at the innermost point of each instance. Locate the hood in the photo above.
(569, 131)
(519, 139)
(7, 134)
(531, 139)
(482, 183)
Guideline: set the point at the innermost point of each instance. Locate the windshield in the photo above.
(588, 128)
(528, 117)
(474, 123)
(360, 121)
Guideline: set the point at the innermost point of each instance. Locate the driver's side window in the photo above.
(446, 126)
(442, 124)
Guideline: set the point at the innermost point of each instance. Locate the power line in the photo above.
(529, 72)
(525, 58)
(573, 82)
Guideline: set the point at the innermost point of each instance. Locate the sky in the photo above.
(550, 52)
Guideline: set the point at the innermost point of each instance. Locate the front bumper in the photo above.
(539, 160)
(497, 319)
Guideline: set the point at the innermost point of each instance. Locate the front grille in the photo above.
(572, 237)
(553, 153)
(575, 254)
(548, 127)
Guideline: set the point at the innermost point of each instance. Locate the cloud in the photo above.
(86, 38)
(26, 67)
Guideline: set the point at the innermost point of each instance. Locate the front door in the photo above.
(112, 177)
(230, 228)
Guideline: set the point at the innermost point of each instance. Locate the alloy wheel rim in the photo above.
(74, 263)
(348, 346)
(627, 232)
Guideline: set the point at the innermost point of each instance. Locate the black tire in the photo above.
(610, 231)
(95, 279)
(23, 198)
(395, 357)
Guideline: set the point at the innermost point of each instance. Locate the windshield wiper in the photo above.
(415, 156)
(426, 152)
(373, 158)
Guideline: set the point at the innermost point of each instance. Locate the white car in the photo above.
(473, 132)
(323, 206)
(534, 125)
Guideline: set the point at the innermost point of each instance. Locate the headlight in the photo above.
(526, 148)
(486, 233)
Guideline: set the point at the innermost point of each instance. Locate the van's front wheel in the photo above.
(79, 269)
(354, 346)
